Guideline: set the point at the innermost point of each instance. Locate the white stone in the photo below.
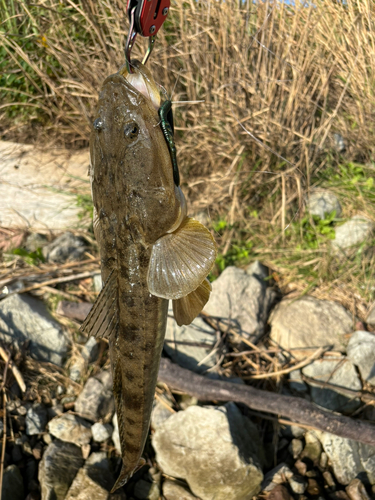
(361, 351)
(353, 232)
(71, 429)
(101, 432)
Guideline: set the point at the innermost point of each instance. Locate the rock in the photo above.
(65, 248)
(90, 350)
(85, 488)
(292, 431)
(356, 490)
(35, 241)
(243, 296)
(101, 432)
(348, 458)
(25, 318)
(297, 484)
(161, 411)
(279, 492)
(187, 441)
(12, 484)
(36, 420)
(176, 490)
(74, 310)
(178, 340)
(295, 448)
(361, 352)
(353, 232)
(310, 322)
(280, 474)
(322, 203)
(57, 469)
(295, 381)
(88, 355)
(313, 447)
(96, 399)
(116, 435)
(313, 487)
(145, 490)
(341, 374)
(71, 429)
(370, 320)
(339, 143)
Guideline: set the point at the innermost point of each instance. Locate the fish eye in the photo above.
(98, 124)
(131, 130)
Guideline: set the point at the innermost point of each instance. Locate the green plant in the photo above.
(32, 258)
(84, 201)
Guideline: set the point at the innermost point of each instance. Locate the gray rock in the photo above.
(101, 432)
(65, 248)
(339, 143)
(187, 442)
(176, 490)
(84, 487)
(25, 318)
(12, 484)
(96, 399)
(348, 458)
(160, 412)
(310, 322)
(116, 435)
(295, 448)
(341, 374)
(90, 350)
(71, 429)
(280, 474)
(35, 241)
(58, 467)
(298, 484)
(313, 447)
(295, 381)
(370, 320)
(178, 344)
(36, 420)
(361, 352)
(146, 491)
(353, 232)
(243, 296)
(292, 431)
(322, 202)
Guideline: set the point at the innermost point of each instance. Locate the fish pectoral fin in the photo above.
(187, 308)
(102, 320)
(181, 260)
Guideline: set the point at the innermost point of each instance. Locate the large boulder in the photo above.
(23, 318)
(310, 322)
(215, 449)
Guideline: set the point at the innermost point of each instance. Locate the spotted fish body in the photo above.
(150, 250)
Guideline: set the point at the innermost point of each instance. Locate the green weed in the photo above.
(31, 258)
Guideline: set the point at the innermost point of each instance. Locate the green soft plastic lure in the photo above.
(166, 122)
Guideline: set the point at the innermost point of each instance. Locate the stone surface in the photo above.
(160, 411)
(313, 447)
(65, 248)
(25, 318)
(295, 448)
(243, 296)
(101, 432)
(96, 399)
(341, 374)
(295, 381)
(94, 480)
(280, 474)
(370, 320)
(36, 186)
(12, 484)
(58, 467)
(308, 322)
(298, 484)
(179, 339)
(356, 491)
(35, 241)
(279, 492)
(144, 490)
(348, 458)
(176, 490)
(71, 429)
(90, 350)
(322, 202)
(36, 419)
(215, 449)
(361, 352)
(353, 232)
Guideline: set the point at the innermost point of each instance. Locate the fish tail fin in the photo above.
(126, 474)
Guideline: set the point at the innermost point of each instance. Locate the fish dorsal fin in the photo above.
(187, 308)
(181, 260)
(102, 320)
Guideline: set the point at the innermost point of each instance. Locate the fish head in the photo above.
(131, 169)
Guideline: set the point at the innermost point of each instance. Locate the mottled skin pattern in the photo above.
(134, 199)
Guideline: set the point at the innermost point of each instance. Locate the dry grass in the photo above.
(276, 83)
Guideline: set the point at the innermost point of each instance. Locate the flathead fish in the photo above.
(150, 250)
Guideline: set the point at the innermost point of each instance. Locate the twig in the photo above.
(303, 363)
(296, 409)
(62, 279)
(17, 374)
